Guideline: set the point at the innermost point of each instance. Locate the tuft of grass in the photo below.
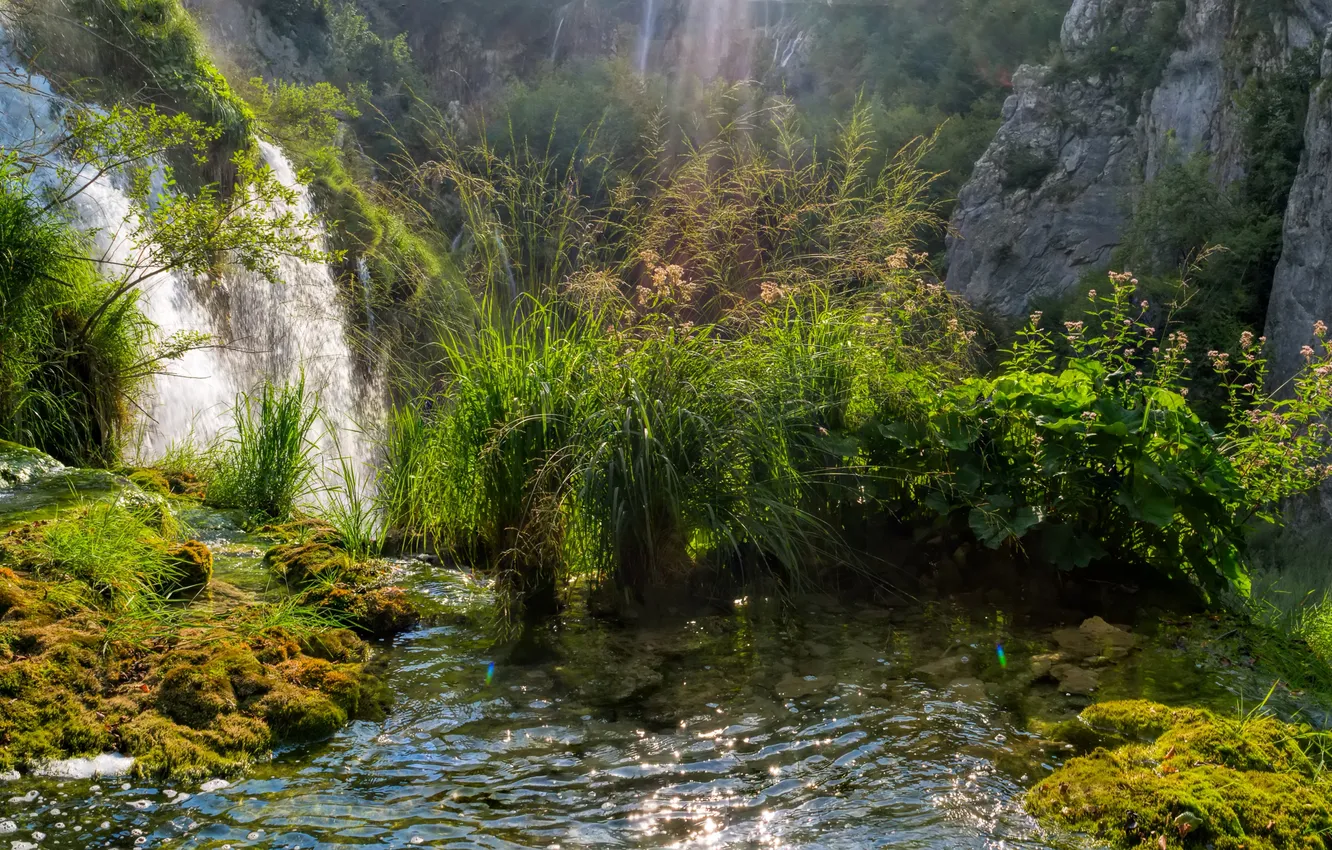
(108, 548)
(352, 513)
(267, 465)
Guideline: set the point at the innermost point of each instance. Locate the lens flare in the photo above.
(490, 672)
(1003, 659)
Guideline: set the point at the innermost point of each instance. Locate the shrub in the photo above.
(1101, 455)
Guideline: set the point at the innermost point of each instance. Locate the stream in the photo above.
(816, 723)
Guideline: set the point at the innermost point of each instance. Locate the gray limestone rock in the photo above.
(1302, 285)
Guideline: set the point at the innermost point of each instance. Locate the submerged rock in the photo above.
(1153, 776)
(1095, 638)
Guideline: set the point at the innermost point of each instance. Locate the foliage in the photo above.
(107, 553)
(1130, 52)
(349, 508)
(267, 465)
(135, 50)
(630, 453)
(1101, 454)
(754, 208)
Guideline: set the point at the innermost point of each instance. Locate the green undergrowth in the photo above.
(266, 465)
(110, 640)
(1151, 776)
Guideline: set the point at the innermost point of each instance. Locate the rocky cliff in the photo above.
(1302, 287)
(1137, 85)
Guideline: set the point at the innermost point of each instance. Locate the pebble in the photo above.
(253, 836)
(38, 836)
(104, 825)
(29, 797)
(213, 785)
(140, 804)
(124, 786)
(9, 776)
(416, 839)
(7, 826)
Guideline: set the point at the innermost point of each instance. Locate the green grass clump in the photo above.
(1187, 777)
(109, 550)
(64, 388)
(267, 465)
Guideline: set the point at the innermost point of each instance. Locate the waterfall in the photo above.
(363, 276)
(645, 37)
(555, 44)
(262, 331)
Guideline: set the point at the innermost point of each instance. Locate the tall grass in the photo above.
(267, 464)
(62, 391)
(565, 445)
(670, 355)
(351, 510)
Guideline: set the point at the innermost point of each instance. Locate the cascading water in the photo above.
(645, 37)
(260, 330)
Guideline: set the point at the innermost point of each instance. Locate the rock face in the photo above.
(1141, 84)
(1047, 199)
(1302, 287)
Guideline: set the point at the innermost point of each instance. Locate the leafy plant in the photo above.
(1099, 454)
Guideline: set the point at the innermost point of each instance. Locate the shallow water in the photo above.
(819, 727)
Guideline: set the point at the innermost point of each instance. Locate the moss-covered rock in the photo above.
(163, 748)
(353, 590)
(19, 465)
(150, 481)
(1158, 777)
(194, 562)
(299, 564)
(209, 700)
(299, 714)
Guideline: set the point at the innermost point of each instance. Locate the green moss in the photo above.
(195, 697)
(299, 564)
(151, 481)
(210, 703)
(162, 748)
(299, 714)
(194, 564)
(1187, 777)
